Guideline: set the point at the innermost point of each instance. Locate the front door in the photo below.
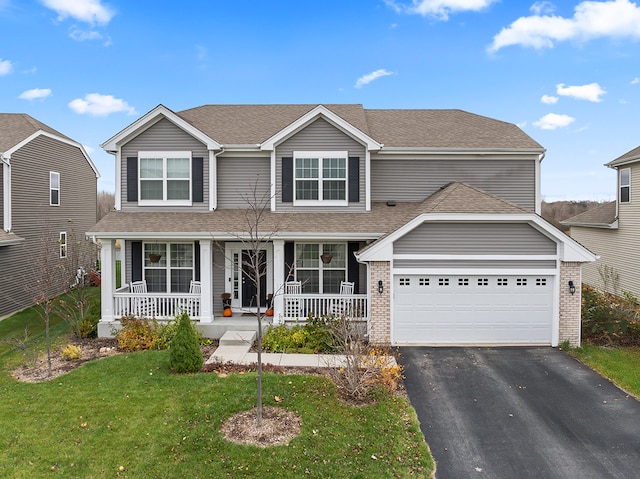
(239, 277)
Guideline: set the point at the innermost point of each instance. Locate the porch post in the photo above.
(278, 281)
(206, 281)
(108, 280)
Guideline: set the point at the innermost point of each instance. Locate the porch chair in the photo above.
(293, 306)
(142, 307)
(193, 304)
(344, 306)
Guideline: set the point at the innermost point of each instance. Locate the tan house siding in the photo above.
(570, 304)
(380, 323)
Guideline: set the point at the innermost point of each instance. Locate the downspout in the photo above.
(213, 180)
(538, 192)
(6, 188)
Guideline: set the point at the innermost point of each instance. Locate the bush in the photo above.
(137, 334)
(313, 337)
(184, 354)
(609, 318)
(72, 352)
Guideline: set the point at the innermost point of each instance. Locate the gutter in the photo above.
(6, 180)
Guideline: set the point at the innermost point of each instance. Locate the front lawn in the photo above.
(620, 365)
(129, 416)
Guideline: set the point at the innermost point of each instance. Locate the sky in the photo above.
(566, 72)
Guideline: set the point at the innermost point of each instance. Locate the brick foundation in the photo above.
(570, 305)
(380, 319)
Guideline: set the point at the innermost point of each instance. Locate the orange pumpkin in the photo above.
(227, 312)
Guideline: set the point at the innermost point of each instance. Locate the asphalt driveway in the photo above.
(519, 413)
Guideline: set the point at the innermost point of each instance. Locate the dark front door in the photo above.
(249, 286)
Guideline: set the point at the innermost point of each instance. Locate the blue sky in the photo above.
(568, 73)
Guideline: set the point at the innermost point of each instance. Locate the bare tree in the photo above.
(106, 203)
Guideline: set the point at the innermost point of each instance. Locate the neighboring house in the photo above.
(612, 231)
(48, 188)
(432, 214)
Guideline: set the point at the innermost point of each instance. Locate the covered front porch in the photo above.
(217, 268)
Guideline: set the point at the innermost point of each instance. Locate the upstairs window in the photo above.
(54, 188)
(165, 178)
(625, 185)
(320, 178)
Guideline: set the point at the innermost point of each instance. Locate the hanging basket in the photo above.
(154, 257)
(326, 258)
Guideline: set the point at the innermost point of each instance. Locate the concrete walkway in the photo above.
(235, 345)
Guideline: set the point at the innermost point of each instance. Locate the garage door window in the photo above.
(463, 281)
(521, 281)
(423, 282)
(443, 281)
(483, 281)
(503, 282)
(541, 281)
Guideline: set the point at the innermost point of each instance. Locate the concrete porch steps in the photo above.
(238, 338)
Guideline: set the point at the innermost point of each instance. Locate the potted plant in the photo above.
(226, 304)
(269, 311)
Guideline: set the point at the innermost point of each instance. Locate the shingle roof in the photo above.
(253, 124)
(382, 219)
(604, 215)
(9, 238)
(626, 158)
(15, 127)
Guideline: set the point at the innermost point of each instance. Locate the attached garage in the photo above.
(473, 309)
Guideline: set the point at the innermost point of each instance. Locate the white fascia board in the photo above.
(569, 249)
(321, 111)
(602, 226)
(395, 150)
(152, 117)
(232, 236)
(615, 164)
(61, 139)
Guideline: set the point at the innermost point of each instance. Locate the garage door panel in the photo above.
(473, 309)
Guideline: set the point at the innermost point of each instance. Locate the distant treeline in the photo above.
(558, 211)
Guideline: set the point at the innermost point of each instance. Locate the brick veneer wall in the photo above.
(570, 305)
(380, 319)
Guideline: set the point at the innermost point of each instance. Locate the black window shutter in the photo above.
(287, 180)
(354, 179)
(353, 267)
(197, 180)
(132, 178)
(289, 260)
(196, 260)
(136, 261)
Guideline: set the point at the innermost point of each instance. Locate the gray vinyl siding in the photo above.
(164, 136)
(218, 277)
(476, 239)
(416, 179)
(618, 249)
(482, 264)
(320, 136)
(127, 259)
(1, 196)
(37, 222)
(237, 178)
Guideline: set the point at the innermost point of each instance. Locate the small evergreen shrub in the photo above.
(184, 354)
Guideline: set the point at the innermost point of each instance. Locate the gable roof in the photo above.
(7, 239)
(629, 157)
(17, 127)
(603, 216)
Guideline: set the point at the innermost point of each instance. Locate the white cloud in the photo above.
(613, 18)
(89, 11)
(635, 81)
(96, 104)
(439, 9)
(5, 67)
(552, 121)
(590, 92)
(368, 78)
(82, 35)
(543, 8)
(549, 99)
(35, 93)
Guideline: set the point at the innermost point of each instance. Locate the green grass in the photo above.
(620, 365)
(154, 423)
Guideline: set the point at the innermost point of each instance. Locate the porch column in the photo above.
(206, 281)
(278, 281)
(108, 280)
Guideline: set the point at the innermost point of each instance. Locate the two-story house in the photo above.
(48, 189)
(612, 231)
(428, 217)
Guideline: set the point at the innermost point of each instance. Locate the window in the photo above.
(62, 244)
(443, 281)
(168, 267)
(316, 275)
(503, 282)
(625, 185)
(422, 281)
(483, 281)
(463, 281)
(405, 282)
(54, 188)
(320, 177)
(521, 281)
(165, 178)
(541, 281)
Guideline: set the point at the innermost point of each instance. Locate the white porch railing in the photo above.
(155, 305)
(300, 306)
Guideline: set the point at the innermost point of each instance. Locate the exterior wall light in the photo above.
(380, 287)
(572, 288)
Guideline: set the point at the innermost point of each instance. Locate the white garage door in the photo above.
(473, 309)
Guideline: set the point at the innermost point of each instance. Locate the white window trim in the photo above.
(167, 267)
(164, 155)
(620, 186)
(62, 245)
(321, 155)
(51, 188)
(321, 266)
